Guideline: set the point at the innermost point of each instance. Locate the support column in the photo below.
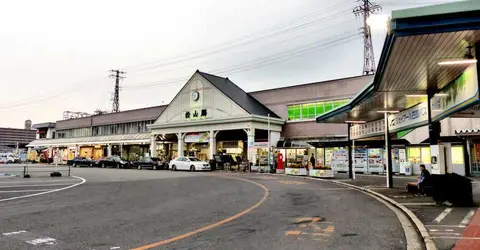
(388, 148)
(109, 150)
(121, 150)
(153, 146)
(212, 143)
(250, 143)
(466, 157)
(353, 158)
(77, 151)
(350, 161)
(180, 137)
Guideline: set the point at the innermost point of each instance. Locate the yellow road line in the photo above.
(211, 226)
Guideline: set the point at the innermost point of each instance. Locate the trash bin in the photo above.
(408, 169)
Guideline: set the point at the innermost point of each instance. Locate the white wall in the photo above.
(217, 104)
(448, 125)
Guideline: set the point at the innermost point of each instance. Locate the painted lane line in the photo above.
(38, 185)
(456, 238)
(25, 190)
(443, 233)
(42, 241)
(449, 230)
(115, 248)
(435, 225)
(434, 230)
(13, 233)
(214, 225)
(45, 181)
(467, 218)
(419, 204)
(47, 192)
(442, 215)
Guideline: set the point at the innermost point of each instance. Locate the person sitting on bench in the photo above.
(422, 180)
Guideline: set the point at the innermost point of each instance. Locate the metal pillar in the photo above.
(388, 149)
(350, 160)
(353, 157)
(180, 146)
(268, 139)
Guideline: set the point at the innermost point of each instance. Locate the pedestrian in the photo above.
(312, 160)
(422, 180)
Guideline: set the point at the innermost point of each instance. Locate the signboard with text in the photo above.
(196, 137)
(369, 129)
(416, 115)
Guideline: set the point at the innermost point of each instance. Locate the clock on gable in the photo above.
(195, 95)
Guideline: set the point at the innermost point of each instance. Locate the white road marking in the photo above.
(40, 241)
(434, 230)
(443, 233)
(25, 190)
(13, 233)
(45, 181)
(455, 237)
(38, 185)
(467, 218)
(435, 225)
(449, 230)
(46, 192)
(115, 248)
(442, 215)
(419, 204)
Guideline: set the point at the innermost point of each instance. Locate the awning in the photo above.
(467, 132)
(417, 40)
(108, 139)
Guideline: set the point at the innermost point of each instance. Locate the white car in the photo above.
(8, 158)
(188, 163)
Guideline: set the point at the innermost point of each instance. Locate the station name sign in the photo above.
(408, 118)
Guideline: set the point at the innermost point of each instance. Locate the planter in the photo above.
(321, 173)
(296, 171)
(280, 171)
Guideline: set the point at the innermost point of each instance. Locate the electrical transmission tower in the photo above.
(364, 9)
(117, 74)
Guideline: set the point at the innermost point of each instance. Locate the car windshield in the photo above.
(193, 159)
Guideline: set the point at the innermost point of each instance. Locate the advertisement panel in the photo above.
(196, 137)
(412, 117)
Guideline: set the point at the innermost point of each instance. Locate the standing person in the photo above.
(312, 160)
(422, 180)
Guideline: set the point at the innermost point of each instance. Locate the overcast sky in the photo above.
(55, 55)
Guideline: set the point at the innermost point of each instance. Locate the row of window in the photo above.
(309, 111)
(113, 129)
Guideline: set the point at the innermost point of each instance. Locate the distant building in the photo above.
(13, 138)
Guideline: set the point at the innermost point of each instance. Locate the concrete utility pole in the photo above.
(365, 8)
(117, 74)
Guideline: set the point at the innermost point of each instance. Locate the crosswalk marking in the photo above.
(467, 218)
(442, 216)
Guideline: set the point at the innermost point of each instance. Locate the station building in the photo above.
(210, 114)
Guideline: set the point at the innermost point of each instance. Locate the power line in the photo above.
(237, 42)
(243, 52)
(259, 62)
(118, 74)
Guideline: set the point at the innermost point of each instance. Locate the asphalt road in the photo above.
(125, 209)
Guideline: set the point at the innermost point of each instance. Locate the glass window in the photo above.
(457, 155)
(328, 106)
(426, 155)
(413, 155)
(320, 106)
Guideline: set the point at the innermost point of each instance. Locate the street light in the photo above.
(378, 21)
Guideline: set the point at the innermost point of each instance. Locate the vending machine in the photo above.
(437, 153)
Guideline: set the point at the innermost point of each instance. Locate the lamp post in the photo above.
(268, 136)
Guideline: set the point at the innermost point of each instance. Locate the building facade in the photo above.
(13, 138)
(209, 115)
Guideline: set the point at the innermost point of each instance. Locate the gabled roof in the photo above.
(238, 95)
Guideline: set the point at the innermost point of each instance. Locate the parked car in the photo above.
(113, 161)
(188, 163)
(148, 162)
(82, 162)
(8, 158)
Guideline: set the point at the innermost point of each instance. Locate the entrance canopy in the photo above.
(429, 53)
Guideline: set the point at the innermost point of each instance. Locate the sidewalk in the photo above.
(446, 225)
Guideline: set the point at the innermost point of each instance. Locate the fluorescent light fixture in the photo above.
(457, 61)
(416, 95)
(441, 94)
(388, 111)
(356, 122)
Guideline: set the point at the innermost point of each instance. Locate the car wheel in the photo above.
(103, 165)
(139, 167)
(174, 168)
(91, 165)
(154, 167)
(192, 168)
(118, 165)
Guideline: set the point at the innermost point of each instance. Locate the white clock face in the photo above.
(195, 95)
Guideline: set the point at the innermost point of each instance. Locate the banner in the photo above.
(369, 129)
(196, 137)
(414, 116)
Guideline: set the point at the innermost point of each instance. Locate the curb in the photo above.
(427, 239)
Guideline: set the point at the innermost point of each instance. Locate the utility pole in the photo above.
(117, 74)
(364, 9)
